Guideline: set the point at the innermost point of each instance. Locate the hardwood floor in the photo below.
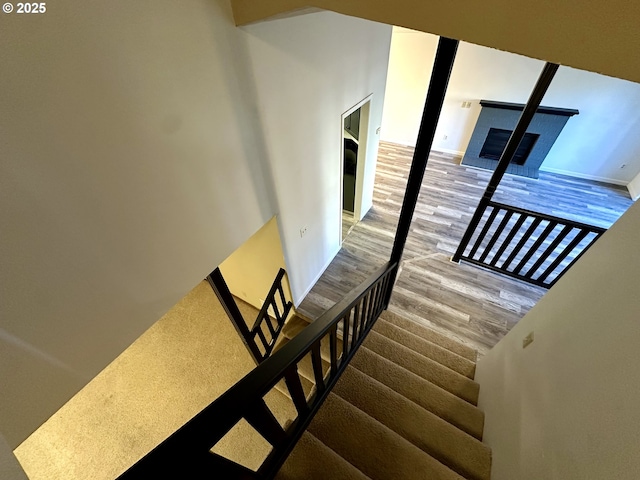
(473, 305)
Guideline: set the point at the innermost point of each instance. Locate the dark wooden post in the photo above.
(445, 56)
(219, 286)
(509, 152)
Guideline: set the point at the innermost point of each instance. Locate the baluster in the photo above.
(276, 311)
(267, 320)
(263, 339)
(559, 259)
(316, 361)
(333, 346)
(292, 379)
(374, 302)
(496, 235)
(507, 241)
(262, 419)
(485, 229)
(549, 250)
(356, 316)
(366, 301)
(372, 307)
(282, 298)
(387, 281)
(345, 335)
(527, 234)
(534, 248)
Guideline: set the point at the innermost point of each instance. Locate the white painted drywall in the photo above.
(593, 144)
(312, 69)
(142, 143)
(250, 270)
(566, 407)
(410, 62)
(131, 165)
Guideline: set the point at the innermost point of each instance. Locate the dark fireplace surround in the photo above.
(494, 126)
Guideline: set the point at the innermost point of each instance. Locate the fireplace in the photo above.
(494, 127)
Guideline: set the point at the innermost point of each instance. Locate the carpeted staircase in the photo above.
(405, 408)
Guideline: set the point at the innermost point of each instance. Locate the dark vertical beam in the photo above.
(548, 72)
(445, 56)
(219, 286)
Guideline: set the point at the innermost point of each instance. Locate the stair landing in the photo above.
(176, 368)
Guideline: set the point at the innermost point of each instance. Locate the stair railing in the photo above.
(269, 335)
(530, 246)
(187, 453)
(261, 338)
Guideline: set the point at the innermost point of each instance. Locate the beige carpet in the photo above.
(403, 409)
(176, 368)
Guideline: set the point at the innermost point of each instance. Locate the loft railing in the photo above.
(526, 245)
(261, 338)
(187, 453)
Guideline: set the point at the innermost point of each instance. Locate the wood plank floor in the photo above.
(475, 306)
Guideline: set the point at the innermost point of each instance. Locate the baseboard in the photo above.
(635, 194)
(298, 301)
(584, 176)
(457, 153)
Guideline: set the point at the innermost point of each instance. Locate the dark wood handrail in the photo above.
(551, 218)
(187, 451)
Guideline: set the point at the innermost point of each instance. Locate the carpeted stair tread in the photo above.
(441, 440)
(296, 324)
(428, 369)
(424, 347)
(372, 448)
(431, 335)
(313, 460)
(446, 405)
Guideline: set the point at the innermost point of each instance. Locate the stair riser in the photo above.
(434, 337)
(419, 345)
(444, 442)
(447, 406)
(428, 369)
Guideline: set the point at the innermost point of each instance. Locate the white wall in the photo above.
(130, 167)
(566, 407)
(324, 64)
(410, 63)
(593, 144)
(133, 161)
(250, 271)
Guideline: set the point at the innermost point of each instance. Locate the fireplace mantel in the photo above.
(546, 125)
(566, 112)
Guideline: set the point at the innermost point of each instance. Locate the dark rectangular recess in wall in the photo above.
(497, 139)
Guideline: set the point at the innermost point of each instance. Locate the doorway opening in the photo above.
(355, 129)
